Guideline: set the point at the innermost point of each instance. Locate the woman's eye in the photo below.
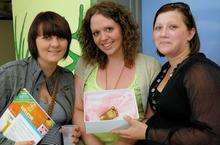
(109, 29)
(46, 37)
(157, 28)
(95, 34)
(172, 27)
(61, 38)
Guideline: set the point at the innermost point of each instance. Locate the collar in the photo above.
(33, 67)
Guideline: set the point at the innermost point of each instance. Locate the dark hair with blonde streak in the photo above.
(130, 33)
(188, 19)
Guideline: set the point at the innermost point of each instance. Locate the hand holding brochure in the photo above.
(24, 119)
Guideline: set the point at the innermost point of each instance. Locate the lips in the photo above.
(54, 51)
(165, 42)
(107, 45)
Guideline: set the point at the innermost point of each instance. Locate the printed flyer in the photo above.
(24, 119)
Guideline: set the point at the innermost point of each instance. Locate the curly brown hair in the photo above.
(130, 33)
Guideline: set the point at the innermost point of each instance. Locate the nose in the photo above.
(103, 36)
(164, 32)
(54, 41)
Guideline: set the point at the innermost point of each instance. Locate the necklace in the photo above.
(106, 78)
(171, 72)
(53, 98)
(175, 65)
(52, 95)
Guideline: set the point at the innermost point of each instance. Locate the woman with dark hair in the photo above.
(110, 60)
(184, 98)
(49, 39)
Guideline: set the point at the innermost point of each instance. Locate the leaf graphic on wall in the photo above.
(20, 51)
(75, 36)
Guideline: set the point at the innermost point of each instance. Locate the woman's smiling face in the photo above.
(107, 34)
(51, 49)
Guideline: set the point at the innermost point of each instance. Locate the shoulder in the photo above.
(83, 69)
(65, 70)
(201, 77)
(148, 61)
(81, 63)
(200, 62)
(148, 68)
(200, 67)
(80, 66)
(65, 73)
(146, 58)
(17, 65)
(66, 78)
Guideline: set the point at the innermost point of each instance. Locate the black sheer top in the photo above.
(187, 111)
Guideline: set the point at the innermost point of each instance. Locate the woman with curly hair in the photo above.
(110, 60)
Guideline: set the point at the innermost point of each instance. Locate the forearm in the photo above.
(88, 139)
(180, 136)
(192, 136)
(123, 141)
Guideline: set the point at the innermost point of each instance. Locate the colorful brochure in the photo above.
(24, 119)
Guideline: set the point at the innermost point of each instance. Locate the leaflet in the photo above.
(24, 119)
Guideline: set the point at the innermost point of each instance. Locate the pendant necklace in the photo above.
(106, 78)
(171, 73)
